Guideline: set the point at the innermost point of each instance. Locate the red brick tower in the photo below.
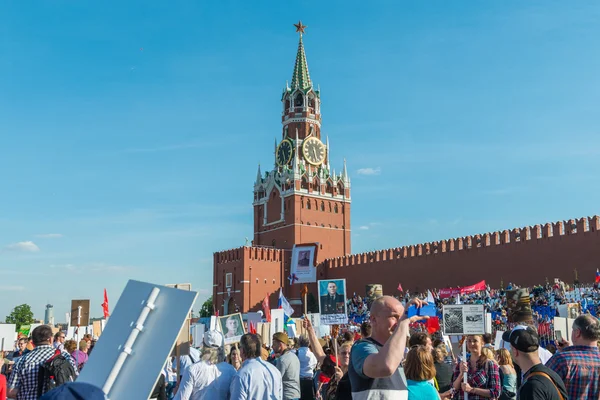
(302, 199)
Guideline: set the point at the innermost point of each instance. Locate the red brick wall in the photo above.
(528, 260)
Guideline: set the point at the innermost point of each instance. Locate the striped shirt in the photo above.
(579, 368)
(25, 374)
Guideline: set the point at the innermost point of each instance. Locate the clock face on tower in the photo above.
(313, 150)
(284, 152)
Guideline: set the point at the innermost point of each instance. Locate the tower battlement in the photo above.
(248, 253)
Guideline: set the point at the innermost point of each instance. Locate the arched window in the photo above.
(299, 100)
(322, 206)
(335, 208)
(308, 204)
(287, 104)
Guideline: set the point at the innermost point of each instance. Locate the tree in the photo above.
(312, 306)
(207, 308)
(21, 315)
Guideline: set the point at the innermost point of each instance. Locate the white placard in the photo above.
(277, 321)
(197, 332)
(152, 346)
(213, 323)
(463, 319)
(315, 319)
(8, 336)
(498, 342)
(332, 302)
(302, 267)
(488, 322)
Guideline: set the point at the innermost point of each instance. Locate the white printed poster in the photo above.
(463, 319)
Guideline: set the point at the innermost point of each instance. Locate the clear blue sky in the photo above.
(130, 131)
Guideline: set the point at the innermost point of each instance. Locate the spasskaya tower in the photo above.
(302, 199)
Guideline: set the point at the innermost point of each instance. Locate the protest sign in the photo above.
(80, 317)
(144, 326)
(8, 336)
(332, 302)
(232, 327)
(303, 268)
(464, 319)
(277, 320)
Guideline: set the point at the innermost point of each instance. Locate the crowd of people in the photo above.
(382, 354)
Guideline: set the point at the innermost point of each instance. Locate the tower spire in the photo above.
(258, 176)
(301, 77)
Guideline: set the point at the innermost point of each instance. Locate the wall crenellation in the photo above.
(506, 237)
(248, 252)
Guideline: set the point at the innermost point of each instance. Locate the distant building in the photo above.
(49, 315)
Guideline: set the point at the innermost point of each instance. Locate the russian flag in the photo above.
(597, 275)
(283, 304)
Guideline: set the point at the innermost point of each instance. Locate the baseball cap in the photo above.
(523, 338)
(281, 337)
(214, 339)
(75, 391)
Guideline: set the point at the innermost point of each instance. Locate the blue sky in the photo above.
(130, 131)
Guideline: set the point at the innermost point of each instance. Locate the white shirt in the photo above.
(257, 380)
(308, 362)
(206, 381)
(186, 361)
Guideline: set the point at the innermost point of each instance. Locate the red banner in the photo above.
(445, 293)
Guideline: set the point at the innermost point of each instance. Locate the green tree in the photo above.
(312, 306)
(207, 308)
(21, 315)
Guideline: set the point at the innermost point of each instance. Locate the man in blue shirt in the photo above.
(374, 369)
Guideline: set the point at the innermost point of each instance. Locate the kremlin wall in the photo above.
(526, 256)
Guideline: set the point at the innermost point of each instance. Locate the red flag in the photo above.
(266, 308)
(400, 287)
(252, 328)
(433, 325)
(597, 275)
(105, 305)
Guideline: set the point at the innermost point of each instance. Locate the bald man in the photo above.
(374, 369)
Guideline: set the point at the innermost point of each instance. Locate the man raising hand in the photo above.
(374, 369)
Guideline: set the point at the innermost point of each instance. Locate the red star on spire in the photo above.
(299, 27)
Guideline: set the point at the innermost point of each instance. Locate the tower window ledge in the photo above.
(311, 115)
(298, 114)
(286, 117)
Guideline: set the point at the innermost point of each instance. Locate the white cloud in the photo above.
(49, 235)
(369, 171)
(364, 228)
(12, 288)
(28, 247)
(93, 267)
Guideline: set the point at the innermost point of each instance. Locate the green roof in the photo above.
(300, 77)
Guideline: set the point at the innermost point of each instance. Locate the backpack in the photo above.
(54, 372)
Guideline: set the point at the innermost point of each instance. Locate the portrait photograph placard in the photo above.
(332, 302)
(232, 327)
(303, 264)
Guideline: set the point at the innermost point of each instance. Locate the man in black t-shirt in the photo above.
(539, 382)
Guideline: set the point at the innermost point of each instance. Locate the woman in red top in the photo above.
(2, 387)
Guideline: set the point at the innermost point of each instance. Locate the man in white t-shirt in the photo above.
(209, 378)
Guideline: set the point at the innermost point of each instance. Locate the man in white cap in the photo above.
(210, 377)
